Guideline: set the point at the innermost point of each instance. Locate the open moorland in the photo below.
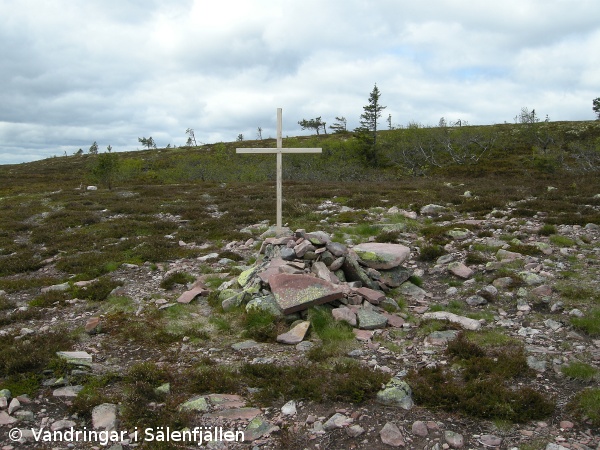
(503, 227)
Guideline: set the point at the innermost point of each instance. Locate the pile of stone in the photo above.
(298, 270)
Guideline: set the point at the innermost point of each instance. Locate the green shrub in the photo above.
(50, 298)
(6, 304)
(261, 325)
(587, 404)
(19, 262)
(480, 389)
(547, 230)
(98, 290)
(326, 327)
(176, 278)
(562, 241)
(431, 253)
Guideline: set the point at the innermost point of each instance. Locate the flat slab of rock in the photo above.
(362, 335)
(197, 290)
(226, 401)
(197, 403)
(295, 335)
(372, 296)
(395, 277)
(412, 290)
(465, 322)
(272, 269)
(370, 320)
(382, 256)
(245, 345)
(67, 391)
(295, 293)
(235, 414)
(460, 270)
(257, 428)
(75, 357)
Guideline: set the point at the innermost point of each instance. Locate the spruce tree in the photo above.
(368, 126)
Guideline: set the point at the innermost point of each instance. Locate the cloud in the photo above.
(112, 71)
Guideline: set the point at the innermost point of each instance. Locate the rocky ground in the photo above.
(537, 312)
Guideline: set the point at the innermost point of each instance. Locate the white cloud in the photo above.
(112, 71)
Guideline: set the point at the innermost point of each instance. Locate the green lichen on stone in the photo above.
(195, 404)
(396, 393)
(245, 277)
(369, 256)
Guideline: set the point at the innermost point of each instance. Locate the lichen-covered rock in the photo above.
(370, 320)
(395, 277)
(396, 393)
(295, 335)
(382, 256)
(299, 292)
(197, 403)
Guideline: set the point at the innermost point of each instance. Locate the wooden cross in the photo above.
(279, 151)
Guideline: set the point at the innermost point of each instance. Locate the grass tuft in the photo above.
(580, 371)
(589, 323)
(586, 404)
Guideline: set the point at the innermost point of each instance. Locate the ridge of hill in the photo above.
(500, 227)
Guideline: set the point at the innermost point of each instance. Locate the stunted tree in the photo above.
(106, 168)
(596, 107)
(191, 140)
(313, 124)
(372, 112)
(339, 126)
(147, 142)
(94, 148)
(259, 133)
(367, 132)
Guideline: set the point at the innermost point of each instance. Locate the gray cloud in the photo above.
(111, 71)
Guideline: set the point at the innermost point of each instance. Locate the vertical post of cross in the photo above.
(279, 150)
(279, 168)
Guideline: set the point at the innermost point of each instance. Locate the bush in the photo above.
(587, 404)
(479, 389)
(176, 278)
(547, 230)
(97, 291)
(431, 253)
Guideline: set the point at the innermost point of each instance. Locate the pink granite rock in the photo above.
(371, 295)
(345, 314)
(382, 256)
(272, 269)
(362, 335)
(390, 434)
(460, 270)
(295, 335)
(235, 414)
(198, 289)
(299, 292)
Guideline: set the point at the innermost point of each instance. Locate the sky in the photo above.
(112, 71)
